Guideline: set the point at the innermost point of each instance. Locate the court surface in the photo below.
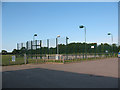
(86, 74)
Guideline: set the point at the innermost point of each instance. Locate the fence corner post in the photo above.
(25, 58)
(63, 60)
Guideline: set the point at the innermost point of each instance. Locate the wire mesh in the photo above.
(60, 49)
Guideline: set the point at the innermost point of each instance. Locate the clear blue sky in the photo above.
(21, 20)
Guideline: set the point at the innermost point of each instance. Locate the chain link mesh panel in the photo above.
(59, 49)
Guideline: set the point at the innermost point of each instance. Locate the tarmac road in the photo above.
(88, 74)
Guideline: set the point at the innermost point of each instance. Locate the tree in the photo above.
(4, 52)
(119, 48)
(15, 51)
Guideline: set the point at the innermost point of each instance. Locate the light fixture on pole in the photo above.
(111, 40)
(85, 39)
(34, 37)
(111, 37)
(57, 46)
(35, 44)
(67, 47)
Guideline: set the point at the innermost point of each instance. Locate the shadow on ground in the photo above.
(45, 78)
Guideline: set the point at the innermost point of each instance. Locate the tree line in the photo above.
(72, 48)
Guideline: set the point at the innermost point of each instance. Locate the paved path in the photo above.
(88, 74)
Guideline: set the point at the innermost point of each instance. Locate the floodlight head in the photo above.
(67, 38)
(81, 26)
(109, 33)
(35, 34)
(58, 35)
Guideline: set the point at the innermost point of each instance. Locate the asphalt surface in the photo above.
(88, 74)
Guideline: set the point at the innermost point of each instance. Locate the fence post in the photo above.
(21, 45)
(27, 45)
(83, 55)
(41, 49)
(36, 48)
(63, 60)
(56, 45)
(57, 58)
(31, 49)
(17, 46)
(25, 58)
(67, 47)
(9, 59)
(48, 47)
(95, 49)
(27, 51)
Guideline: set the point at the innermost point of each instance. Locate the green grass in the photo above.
(7, 60)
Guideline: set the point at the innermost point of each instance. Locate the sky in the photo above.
(21, 20)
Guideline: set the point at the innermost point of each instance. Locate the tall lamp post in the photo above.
(66, 47)
(111, 40)
(57, 45)
(34, 40)
(34, 37)
(85, 39)
(35, 43)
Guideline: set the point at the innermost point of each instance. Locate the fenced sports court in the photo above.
(58, 50)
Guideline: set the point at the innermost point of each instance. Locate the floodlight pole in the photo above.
(85, 39)
(57, 45)
(85, 43)
(111, 40)
(35, 43)
(66, 47)
(34, 37)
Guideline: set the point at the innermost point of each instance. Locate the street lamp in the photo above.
(34, 36)
(111, 40)
(57, 46)
(111, 37)
(35, 44)
(66, 47)
(85, 38)
(67, 40)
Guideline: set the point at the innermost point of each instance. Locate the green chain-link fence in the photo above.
(59, 50)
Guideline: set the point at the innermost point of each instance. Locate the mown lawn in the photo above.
(7, 60)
